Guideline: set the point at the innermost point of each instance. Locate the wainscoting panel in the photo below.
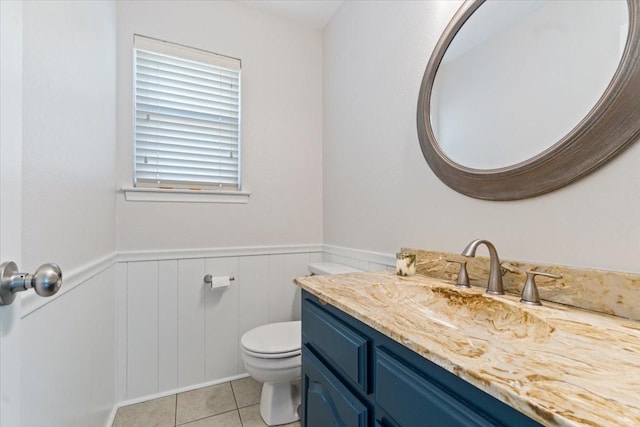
(222, 317)
(254, 292)
(278, 291)
(68, 349)
(180, 333)
(120, 289)
(356, 258)
(142, 327)
(285, 299)
(191, 322)
(167, 325)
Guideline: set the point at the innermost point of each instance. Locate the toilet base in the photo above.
(279, 402)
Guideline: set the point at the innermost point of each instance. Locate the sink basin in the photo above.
(473, 312)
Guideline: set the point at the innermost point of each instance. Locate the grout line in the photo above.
(233, 392)
(209, 416)
(175, 410)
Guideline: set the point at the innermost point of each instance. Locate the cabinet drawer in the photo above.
(342, 346)
(412, 400)
(327, 401)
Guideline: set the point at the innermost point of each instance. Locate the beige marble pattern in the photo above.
(559, 365)
(608, 292)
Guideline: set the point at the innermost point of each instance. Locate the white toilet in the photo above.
(271, 355)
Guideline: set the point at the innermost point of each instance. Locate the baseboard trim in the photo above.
(119, 405)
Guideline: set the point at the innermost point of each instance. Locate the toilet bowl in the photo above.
(271, 354)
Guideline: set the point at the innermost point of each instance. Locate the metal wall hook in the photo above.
(46, 281)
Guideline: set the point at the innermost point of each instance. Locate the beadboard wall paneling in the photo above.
(168, 324)
(68, 349)
(284, 300)
(221, 321)
(142, 319)
(364, 260)
(253, 286)
(180, 333)
(191, 321)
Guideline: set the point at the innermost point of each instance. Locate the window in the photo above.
(187, 117)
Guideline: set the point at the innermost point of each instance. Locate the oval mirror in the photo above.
(521, 98)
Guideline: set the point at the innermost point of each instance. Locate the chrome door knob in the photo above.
(46, 281)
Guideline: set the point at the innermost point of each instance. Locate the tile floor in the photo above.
(233, 404)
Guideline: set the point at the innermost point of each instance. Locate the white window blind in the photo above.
(187, 124)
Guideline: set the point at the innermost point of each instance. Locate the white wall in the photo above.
(379, 193)
(281, 128)
(68, 133)
(68, 345)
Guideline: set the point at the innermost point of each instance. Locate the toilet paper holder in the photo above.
(208, 279)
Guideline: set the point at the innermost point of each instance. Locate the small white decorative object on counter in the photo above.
(405, 264)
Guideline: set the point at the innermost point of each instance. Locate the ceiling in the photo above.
(310, 13)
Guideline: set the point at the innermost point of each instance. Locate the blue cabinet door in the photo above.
(412, 400)
(326, 401)
(342, 347)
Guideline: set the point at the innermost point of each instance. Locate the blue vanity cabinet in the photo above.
(411, 397)
(340, 345)
(354, 376)
(327, 401)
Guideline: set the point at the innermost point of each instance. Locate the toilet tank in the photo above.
(321, 268)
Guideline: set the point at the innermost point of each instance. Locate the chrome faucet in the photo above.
(494, 284)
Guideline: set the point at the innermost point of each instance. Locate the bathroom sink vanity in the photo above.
(354, 375)
(383, 350)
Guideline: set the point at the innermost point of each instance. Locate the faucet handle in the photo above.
(530, 290)
(463, 276)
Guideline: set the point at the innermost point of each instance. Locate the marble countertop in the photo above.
(559, 365)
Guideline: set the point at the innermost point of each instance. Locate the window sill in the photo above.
(141, 194)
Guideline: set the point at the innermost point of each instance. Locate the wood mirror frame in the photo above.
(609, 127)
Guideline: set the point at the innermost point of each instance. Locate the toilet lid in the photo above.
(274, 338)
